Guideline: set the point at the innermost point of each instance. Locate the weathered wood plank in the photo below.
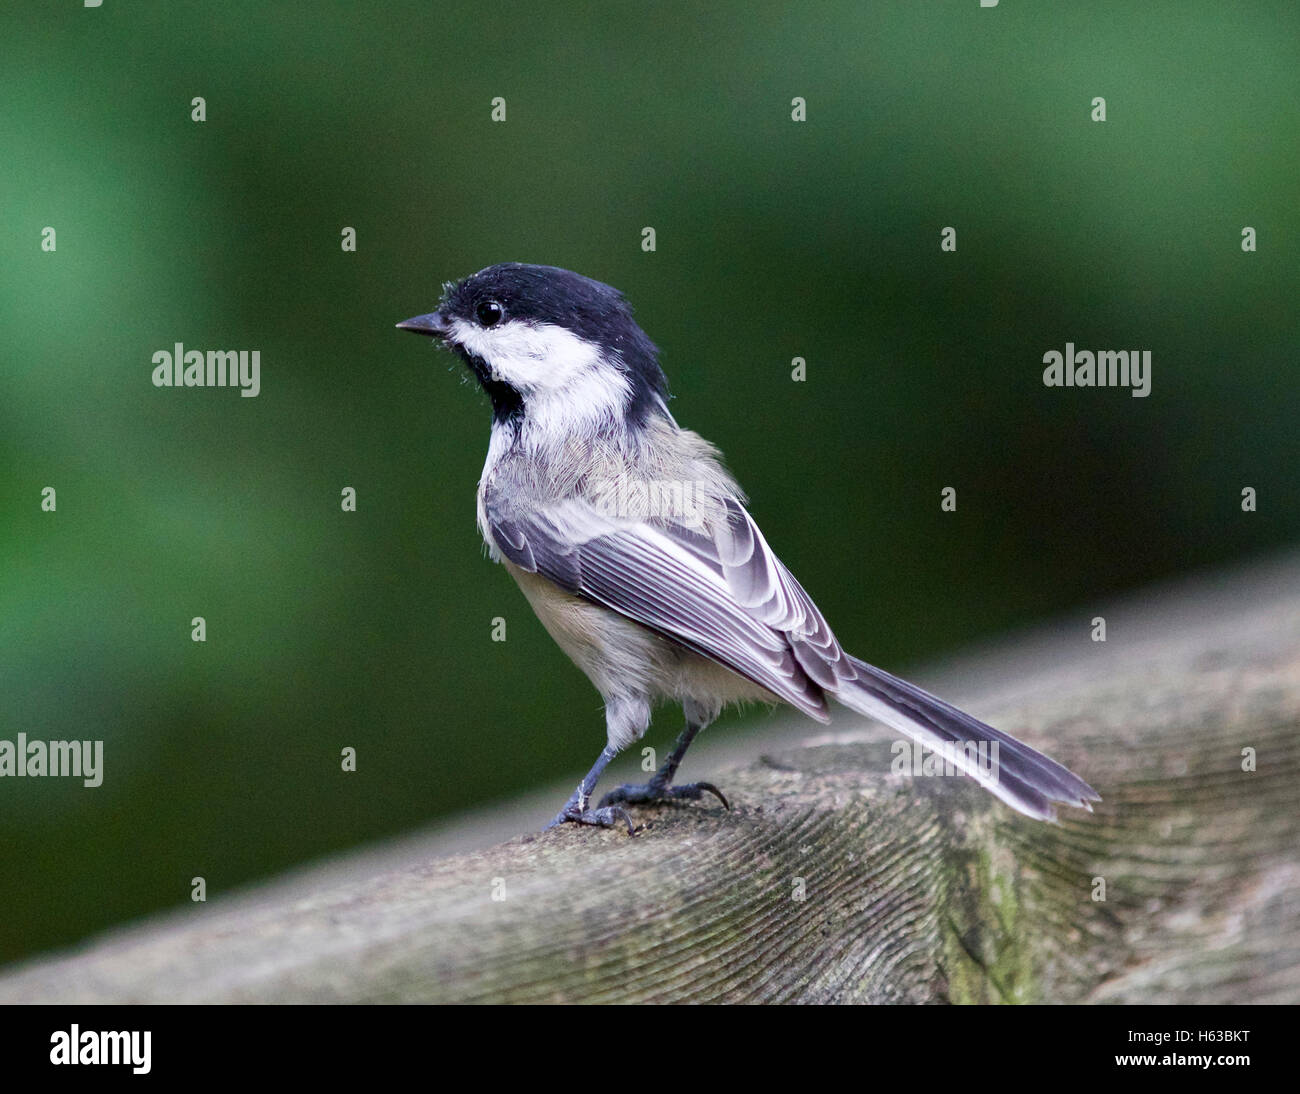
(833, 880)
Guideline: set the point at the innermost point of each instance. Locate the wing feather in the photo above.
(668, 578)
(726, 596)
(762, 584)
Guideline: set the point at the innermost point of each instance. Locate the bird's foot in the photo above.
(660, 790)
(601, 817)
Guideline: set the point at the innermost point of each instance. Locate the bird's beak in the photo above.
(434, 325)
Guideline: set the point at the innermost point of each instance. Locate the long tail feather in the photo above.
(1023, 778)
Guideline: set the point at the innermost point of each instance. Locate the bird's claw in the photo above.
(656, 791)
(601, 817)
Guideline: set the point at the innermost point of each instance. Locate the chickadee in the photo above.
(632, 543)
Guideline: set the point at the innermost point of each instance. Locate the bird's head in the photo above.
(546, 341)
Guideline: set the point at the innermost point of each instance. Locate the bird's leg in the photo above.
(575, 810)
(660, 787)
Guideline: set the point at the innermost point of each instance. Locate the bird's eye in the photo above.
(489, 312)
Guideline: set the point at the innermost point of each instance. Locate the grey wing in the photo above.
(763, 586)
(675, 581)
(728, 597)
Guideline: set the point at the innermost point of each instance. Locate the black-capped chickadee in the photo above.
(632, 543)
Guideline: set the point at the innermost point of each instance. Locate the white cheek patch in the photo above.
(528, 356)
(564, 379)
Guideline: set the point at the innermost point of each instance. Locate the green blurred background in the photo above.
(775, 239)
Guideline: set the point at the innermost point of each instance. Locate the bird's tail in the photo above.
(1022, 777)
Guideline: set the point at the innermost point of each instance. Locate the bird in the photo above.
(635, 548)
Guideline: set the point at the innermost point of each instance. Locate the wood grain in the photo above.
(833, 880)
